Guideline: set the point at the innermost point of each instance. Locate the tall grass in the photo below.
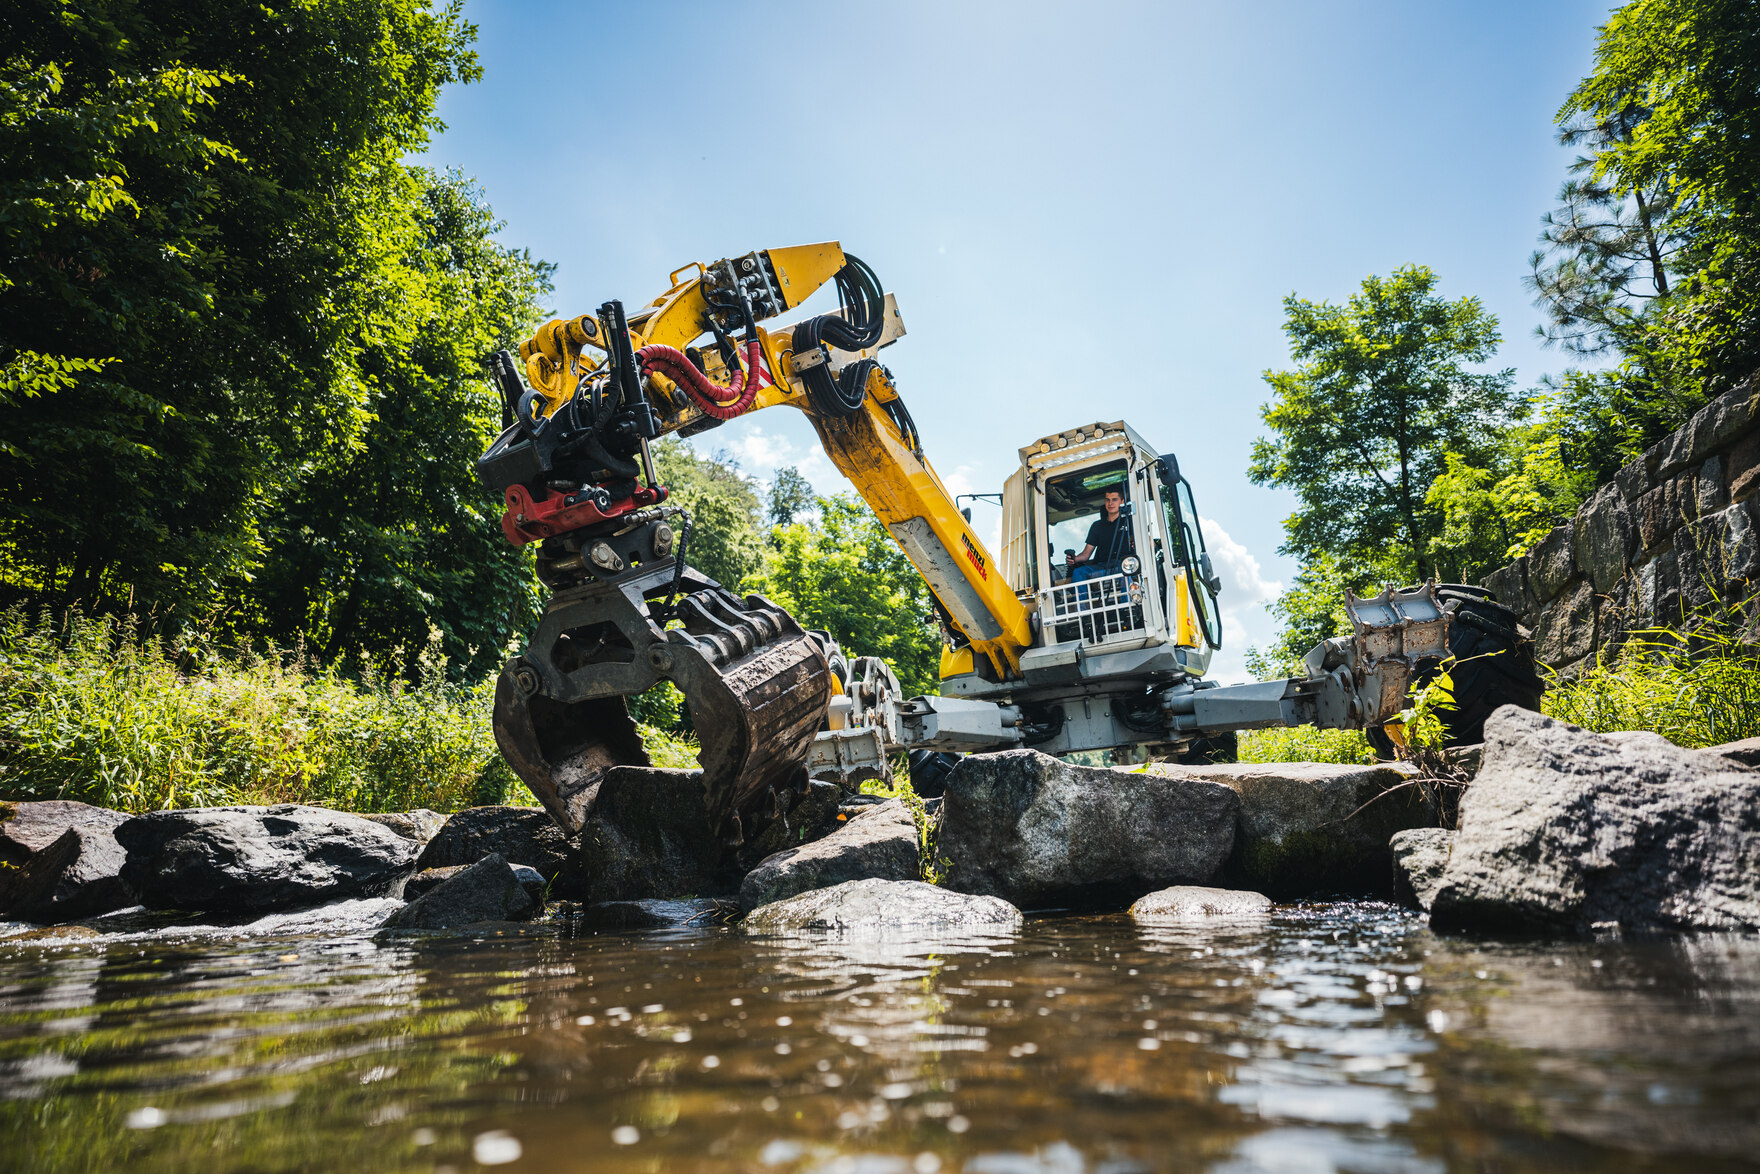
(89, 710)
(1305, 744)
(1696, 688)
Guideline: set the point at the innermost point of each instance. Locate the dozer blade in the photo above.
(757, 687)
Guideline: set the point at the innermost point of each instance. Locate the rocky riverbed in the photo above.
(1560, 832)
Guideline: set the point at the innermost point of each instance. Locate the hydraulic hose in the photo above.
(857, 328)
(723, 403)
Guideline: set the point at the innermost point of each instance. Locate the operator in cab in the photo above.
(1109, 543)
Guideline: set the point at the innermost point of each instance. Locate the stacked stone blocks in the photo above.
(1670, 537)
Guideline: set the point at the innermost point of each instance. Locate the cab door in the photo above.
(1193, 583)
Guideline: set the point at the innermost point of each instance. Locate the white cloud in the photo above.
(761, 453)
(1245, 592)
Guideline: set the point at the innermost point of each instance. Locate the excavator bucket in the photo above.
(756, 684)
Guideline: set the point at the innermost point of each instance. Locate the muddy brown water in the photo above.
(1333, 1037)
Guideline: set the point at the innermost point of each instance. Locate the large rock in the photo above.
(1316, 827)
(79, 875)
(884, 908)
(429, 879)
(647, 835)
(489, 890)
(28, 828)
(1419, 857)
(1035, 830)
(420, 825)
(1550, 565)
(1198, 905)
(522, 835)
(1604, 539)
(1564, 830)
(812, 816)
(257, 859)
(1743, 753)
(879, 842)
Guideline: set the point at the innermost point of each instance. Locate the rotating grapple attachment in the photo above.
(756, 684)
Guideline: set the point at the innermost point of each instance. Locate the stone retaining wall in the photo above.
(1674, 530)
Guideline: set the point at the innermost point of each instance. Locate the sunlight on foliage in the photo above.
(90, 711)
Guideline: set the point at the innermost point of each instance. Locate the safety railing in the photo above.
(1096, 610)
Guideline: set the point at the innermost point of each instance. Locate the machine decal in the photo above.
(975, 557)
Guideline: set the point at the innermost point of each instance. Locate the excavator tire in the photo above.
(756, 685)
(1494, 661)
(929, 771)
(1494, 666)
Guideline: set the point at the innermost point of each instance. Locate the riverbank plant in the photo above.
(1697, 688)
(91, 710)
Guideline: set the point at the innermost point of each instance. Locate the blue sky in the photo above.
(1086, 212)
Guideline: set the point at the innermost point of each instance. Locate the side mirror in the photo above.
(1168, 466)
(967, 513)
(1207, 571)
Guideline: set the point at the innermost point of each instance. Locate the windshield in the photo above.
(1073, 503)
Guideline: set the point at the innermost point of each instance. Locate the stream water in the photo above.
(1335, 1037)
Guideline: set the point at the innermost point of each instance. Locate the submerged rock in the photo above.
(647, 836)
(1316, 827)
(1419, 856)
(489, 890)
(520, 835)
(878, 842)
(1196, 903)
(884, 908)
(26, 828)
(420, 824)
(695, 914)
(1035, 830)
(1565, 830)
(78, 875)
(258, 859)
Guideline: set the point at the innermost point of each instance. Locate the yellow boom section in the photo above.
(867, 447)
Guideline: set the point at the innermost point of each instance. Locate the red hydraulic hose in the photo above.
(705, 392)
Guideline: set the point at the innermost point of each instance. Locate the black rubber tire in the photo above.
(929, 771)
(1494, 662)
(1218, 748)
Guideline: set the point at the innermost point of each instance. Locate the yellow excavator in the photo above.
(1039, 653)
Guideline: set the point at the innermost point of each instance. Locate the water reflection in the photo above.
(1330, 1038)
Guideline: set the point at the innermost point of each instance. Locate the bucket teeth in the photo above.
(756, 685)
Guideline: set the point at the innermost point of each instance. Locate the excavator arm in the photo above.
(626, 612)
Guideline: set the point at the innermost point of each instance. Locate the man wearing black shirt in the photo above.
(1109, 539)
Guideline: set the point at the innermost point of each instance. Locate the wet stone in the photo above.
(489, 890)
(79, 875)
(420, 825)
(701, 913)
(1315, 827)
(884, 908)
(1199, 904)
(1038, 831)
(1565, 829)
(259, 859)
(521, 835)
(1419, 856)
(29, 827)
(881, 841)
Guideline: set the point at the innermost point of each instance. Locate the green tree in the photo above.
(725, 542)
(789, 495)
(847, 575)
(1693, 68)
(1363, 426)
(390, 537)
(204, 218)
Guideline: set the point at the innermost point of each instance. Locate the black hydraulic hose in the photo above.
(860, 326)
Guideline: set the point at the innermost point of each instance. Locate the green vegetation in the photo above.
(1696, 689)
(1406, 463)
(240, 335)
(91, 710)
(1305, 744)
(845, 574)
